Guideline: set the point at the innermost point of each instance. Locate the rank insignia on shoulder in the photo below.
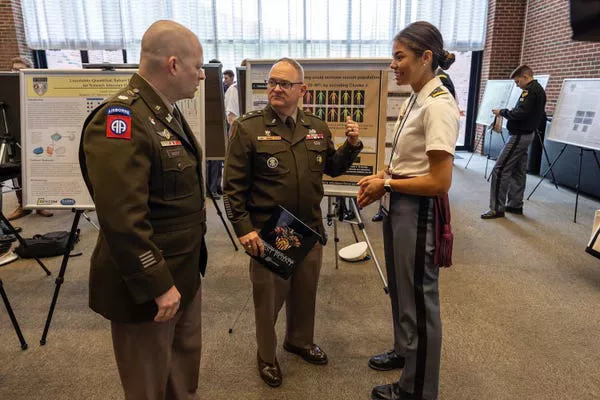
(314, 136)
(169, 143)
(437, 92)
(267, 138)
(118, 122)
(524, 94)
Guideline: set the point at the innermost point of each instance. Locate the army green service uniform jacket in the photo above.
(143, 171)
(269, 165)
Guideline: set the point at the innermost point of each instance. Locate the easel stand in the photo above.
(361, 226)
(488, 131)
(220, 214)
(13, 319)
(578, 186)
(61, 275)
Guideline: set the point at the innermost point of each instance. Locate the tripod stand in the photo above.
(13, 319)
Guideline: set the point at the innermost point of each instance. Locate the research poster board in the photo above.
(496, 95)
(54, 106)
(338, 88)
(576, 119)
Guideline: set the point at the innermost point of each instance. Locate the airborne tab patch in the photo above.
(118, 122)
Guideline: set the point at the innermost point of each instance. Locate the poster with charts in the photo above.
(54, 106)
(576, 119)
(337, 89)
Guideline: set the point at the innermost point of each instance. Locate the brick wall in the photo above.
(12, 33)
(536, 33)
(548, 48)
(503, 44)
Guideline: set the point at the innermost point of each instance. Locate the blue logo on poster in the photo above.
(67, 202)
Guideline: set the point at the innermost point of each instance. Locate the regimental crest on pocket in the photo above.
(272, 162)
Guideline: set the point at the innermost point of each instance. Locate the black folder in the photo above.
(286, 240)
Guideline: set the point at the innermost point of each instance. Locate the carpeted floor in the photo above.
(519, 308)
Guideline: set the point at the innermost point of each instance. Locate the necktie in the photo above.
(290, 123)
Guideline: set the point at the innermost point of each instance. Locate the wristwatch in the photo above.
(387, 185)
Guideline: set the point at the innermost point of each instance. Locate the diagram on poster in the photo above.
(576, 118)
(54, 106)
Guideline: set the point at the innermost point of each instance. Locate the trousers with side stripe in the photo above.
(510, 173)
(409, 243)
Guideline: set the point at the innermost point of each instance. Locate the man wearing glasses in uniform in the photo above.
(277, 156)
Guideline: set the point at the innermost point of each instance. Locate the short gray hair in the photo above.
(295, 64)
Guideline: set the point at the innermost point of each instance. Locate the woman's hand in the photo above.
(370, 190)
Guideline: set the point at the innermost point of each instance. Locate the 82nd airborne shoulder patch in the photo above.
(118, 122)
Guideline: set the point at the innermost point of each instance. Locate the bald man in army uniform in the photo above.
(142, 166)
(277, 156)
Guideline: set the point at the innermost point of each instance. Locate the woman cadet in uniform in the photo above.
(419, 174)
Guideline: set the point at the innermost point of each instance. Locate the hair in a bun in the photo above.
(446, 59)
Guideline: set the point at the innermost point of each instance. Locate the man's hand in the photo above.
(496, 112)
(168, 304)
(352, 131)
(252, 243)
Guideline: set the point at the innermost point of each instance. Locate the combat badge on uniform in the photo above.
(118, 122)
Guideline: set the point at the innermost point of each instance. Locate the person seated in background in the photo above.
(17, 64)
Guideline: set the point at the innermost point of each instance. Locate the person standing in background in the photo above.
(510, 171)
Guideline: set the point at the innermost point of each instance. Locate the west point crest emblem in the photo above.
(40, 86)
(272, 162)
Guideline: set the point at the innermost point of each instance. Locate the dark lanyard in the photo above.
(409, 107)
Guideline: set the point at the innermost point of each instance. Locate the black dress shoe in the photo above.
(391, 392)
(386, 361)
(270, 373)
(312, 354)
(377, 217)
(491, 214)
(514, 210)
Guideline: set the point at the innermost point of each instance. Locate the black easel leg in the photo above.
(547, 171)
(13, 319)
(21, 241)
(578, 185)
(220, 214)
(474, 148)
(547, 158)
(487, 159)
(63, 267)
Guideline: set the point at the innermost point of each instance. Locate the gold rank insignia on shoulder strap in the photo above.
(438, 91)
(251, 114)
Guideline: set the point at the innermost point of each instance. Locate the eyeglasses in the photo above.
(282, 84)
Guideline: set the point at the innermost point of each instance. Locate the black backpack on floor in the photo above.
(47, 245)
